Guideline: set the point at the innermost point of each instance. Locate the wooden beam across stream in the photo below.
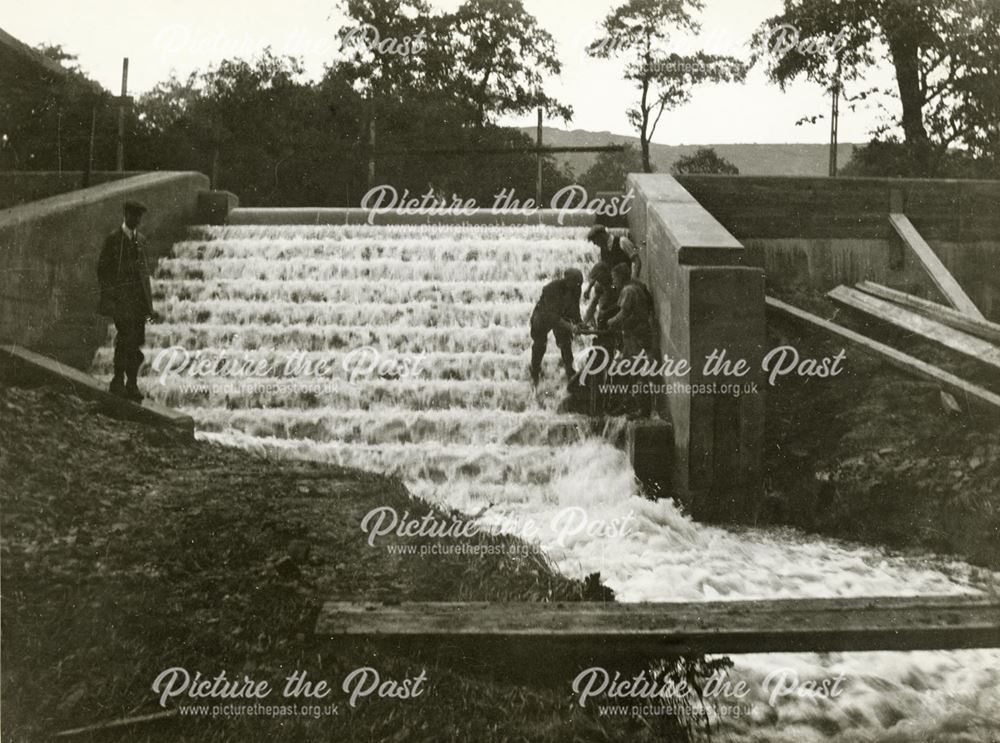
(593, 631)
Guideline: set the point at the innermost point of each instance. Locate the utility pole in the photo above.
(122, 102)
(371, 152)
(90, 148)
(538, 143)
(59, 140)
(215, 166)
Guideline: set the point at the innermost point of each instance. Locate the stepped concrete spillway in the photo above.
(447, 406)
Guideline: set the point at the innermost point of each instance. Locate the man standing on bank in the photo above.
(558, 312)
(126, 297)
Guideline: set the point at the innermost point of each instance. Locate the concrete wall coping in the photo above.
(356, 216)
(24, 186)
(22, 364)
(842, 179)
(49, 250)
(75, 199)
(660, 187)
(693, 228)
(696, 236)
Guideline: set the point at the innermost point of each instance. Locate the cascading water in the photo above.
(457, 419)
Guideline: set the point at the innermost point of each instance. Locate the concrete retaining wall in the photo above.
(768, 207)
(820, 232)
(48, 258)
(817, 233)
(707, 297)
(822, 264)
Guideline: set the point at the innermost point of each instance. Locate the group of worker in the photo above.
(618, 316)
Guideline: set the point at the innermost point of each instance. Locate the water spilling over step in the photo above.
(466, 430)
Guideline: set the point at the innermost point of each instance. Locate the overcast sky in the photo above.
(183, 35)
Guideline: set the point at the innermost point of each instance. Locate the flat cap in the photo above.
(596, 231)
(132, 206)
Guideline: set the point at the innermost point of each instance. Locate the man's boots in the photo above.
(132, 391)
(117, 386)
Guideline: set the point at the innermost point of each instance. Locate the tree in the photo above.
(608, 173)
(498, 54)
(277, 139)
(943, 53)
(486, 59)
(967, 111)
(45, 117)
(639, 31)
(385, 51)
(269, 135)
(890, 158)
(705, 161)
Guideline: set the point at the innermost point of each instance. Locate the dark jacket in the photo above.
(560, 300)
(603, 306)
(612, 253)
(635, 309)
(123, 276)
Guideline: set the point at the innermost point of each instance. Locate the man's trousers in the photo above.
(540, 330)
(130, 334)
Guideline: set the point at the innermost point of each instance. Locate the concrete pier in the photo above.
(706, 299)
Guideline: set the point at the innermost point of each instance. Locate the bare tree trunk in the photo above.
(647, 166)
(905, 59)
(483, 87)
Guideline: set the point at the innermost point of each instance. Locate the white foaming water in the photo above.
(469, 432)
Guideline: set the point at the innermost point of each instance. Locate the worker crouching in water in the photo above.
(557, 312)
(634, 320)
(603, 306)
(587, 396)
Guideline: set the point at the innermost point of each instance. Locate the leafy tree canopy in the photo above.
(943, 52)
(706, 161)
(639, 31)
(608, 173)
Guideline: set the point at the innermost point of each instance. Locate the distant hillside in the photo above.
(751, 159)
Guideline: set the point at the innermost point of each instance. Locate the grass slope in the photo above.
(126, 552)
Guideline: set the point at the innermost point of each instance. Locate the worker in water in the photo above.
(603, 305)
(634, 320)
(614, 249)
(558, 312)
(589, 397)
(126, 298)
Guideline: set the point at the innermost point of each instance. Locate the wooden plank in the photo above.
(956, 340)
(19, 363)
(940, 275)
(101, 727)
(984, 329)
(792, 625)
(970, 393)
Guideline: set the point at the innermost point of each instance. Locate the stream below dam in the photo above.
(405, 350)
